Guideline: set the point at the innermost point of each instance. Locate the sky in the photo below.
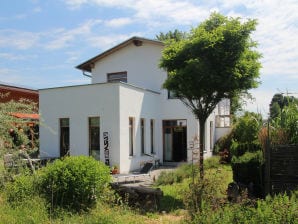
(41, 41)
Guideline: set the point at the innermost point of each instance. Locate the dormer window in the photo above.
(117, 77)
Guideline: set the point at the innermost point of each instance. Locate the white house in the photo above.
(123, 117)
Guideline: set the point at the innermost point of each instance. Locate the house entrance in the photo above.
(174, 140)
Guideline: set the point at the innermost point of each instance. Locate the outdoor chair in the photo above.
(144, 172)
(9, 162)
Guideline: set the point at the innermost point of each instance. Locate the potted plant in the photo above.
(115, 169)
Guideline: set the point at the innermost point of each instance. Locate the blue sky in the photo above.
(41, 41)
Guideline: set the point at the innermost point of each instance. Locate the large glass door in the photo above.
(174, 138)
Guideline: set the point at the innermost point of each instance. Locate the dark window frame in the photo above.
(117, 77)
(93, 129)
(64, 137)
(152, 139)
(172, 95)
(142, 132)
(131, 135)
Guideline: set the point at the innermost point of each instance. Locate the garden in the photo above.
(77, 189)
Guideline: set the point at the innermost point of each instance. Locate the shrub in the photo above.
(21, 189)
(239, 148)
(212, 162)
(248, 169)
(223, 143)
(205, 193)
(247, 127)
(284, 128)
(74, 182)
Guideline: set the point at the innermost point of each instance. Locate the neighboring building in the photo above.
(123, 117)
(16, 93)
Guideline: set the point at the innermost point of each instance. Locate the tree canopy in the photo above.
(175, 35)
(216, 60)
(278, 102)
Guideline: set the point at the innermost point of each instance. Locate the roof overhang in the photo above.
(137, 41)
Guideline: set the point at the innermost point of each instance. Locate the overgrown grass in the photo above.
(279, 209)
(274, 210)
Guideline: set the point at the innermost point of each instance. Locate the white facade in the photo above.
(116, 103)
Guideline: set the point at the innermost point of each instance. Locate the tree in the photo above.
(176, 35)
(278, 102)
(215, 60)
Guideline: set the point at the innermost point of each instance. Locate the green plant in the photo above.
(206, 59)
(240, 148)
(74, 182)
(275, 210)
(248, 169)
(223, 143)
(20, 189)
(284, 128)
(247, 128)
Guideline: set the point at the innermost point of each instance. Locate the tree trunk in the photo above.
(202, 146)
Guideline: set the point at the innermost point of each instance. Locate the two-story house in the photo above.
(124, 117)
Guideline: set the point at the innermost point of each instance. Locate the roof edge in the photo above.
(87, 65)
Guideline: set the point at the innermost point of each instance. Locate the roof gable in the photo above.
(137, 41)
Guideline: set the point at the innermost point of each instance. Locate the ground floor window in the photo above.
(152, 131)
(131, 136)
(174, 140)
(94, 139)
(64, 137)
(211, 136)
(142, 126)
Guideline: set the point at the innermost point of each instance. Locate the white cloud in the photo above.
(260, 104)
(105, 42)
(11, 76)
(147, 11)
(16, 57)
(62, 38)
(37, 10)
(118, 22)
(18, 39)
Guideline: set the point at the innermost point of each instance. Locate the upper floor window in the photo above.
(172, 95)
(117, 77)
(223, 118)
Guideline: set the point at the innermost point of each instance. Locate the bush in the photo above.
(247, 127)
(239, 149)
(248, 169)
(212, 162)
(223, 143)
(74, 182)
(21, 189)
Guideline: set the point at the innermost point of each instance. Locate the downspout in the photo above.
(90, 76)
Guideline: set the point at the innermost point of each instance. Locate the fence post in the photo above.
(267, 176)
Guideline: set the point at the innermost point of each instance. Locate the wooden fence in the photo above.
(281, 169)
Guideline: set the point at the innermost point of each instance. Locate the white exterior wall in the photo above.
(78, 103)
(138, 103)
(141, 64)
